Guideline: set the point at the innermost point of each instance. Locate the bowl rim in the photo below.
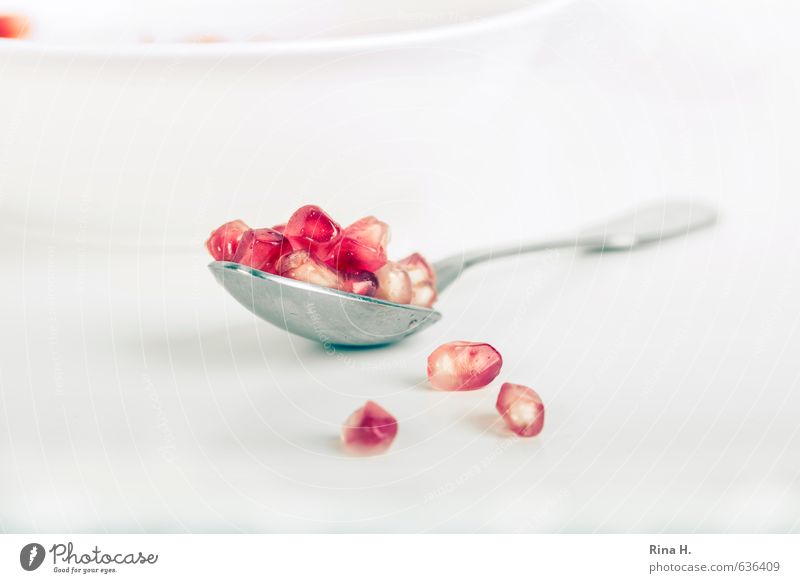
(300, 46)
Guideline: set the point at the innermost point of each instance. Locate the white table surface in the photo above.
(136, 396)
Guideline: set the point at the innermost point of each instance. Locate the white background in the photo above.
(135, 396)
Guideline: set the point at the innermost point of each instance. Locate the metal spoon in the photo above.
(335, 317)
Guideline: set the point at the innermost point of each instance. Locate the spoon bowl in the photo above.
(318, 313)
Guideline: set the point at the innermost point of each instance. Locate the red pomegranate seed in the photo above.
(224, 241)
(280, 228)
(369, 430)
(303, 266)
(463, 366)
(394, 285)
(423, 280)
(362, 247)
(13, 26)
(363, 283)
(261, 249)
(311, 229)
(522, 409)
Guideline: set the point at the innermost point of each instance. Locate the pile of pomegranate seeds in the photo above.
(13, 26)
(521, 409)
(313, 248)
(369, 430)
(463, 366)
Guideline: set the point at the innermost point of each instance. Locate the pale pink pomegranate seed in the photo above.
(362, 247)
(303, 266)
(522, 409)
(261, 249)
(280, 228)
(394, 285)
(13, 26)
(424, 296)
(423, 280)
(369, 430)
(363, 283)
(224, 241)
(463, 366)
(311, 229)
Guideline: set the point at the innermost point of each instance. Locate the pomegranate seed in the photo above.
(261, 249)
(13, 26)
(369, 430)
(224, 241)
(463, 366)
(280, 228)
(522, 409)
(423, 295)
(303, 266)
(394, 285)
(311, 229)
(418, 269)
(362, 247)
(423, 280)
(363, 283)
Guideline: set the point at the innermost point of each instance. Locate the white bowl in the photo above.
(113, 141)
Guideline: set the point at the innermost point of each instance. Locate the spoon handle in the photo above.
(648, 224)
